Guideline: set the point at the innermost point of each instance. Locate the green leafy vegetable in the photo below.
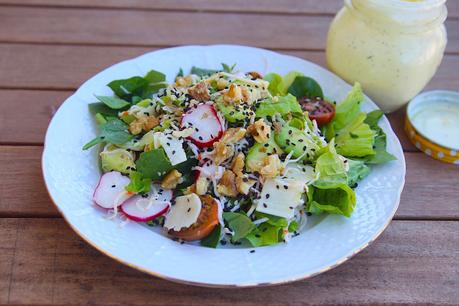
(114, 131)
(227, 68)
(381, 155)
(113, 102)
(331, 192)
(153, 164)
(284, 105)
(212, 240)
(273, 220)
(101, 108)
(100, 119)
(201, 71)
(357, 171)
(180, 73)
(264, 234)
(142, 87)
(303, 86)
(239, 223)
(353, 137)
(138, 183)
(275, 84)
(293, 226)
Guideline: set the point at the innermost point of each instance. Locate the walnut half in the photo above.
(227, 184)
(260, 131)
(144, 123)
(200, 92)
(171, 180)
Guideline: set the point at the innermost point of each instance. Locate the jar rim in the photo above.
(426, 13)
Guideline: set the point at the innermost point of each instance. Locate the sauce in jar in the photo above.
(392, 47)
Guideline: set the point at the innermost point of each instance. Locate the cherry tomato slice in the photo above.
(318, 109)
(207, 220)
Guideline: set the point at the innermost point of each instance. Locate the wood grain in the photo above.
(430, 190)
(153, 28)
(36, 107)
(52, 265)
(62, 73)
(241, 6)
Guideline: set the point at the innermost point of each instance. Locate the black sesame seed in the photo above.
(264, 205)
(285, 187)
(301, 140)
(309, 214)
(113, 186)
(290, 207)
(222, 242)
(277, 186)
(267, 195)
(189, 209)
(173, 152)
(258, 236)
(252, 251)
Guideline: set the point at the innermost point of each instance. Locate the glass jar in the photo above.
(392, 47)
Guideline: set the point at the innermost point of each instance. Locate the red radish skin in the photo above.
(131, 215)
(211, 125)
(159, 207)
(105, 195)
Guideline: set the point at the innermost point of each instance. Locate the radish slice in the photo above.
(110, 191)
(148, 207)
(206, 124)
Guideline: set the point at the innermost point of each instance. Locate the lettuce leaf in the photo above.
(353, 137)
(138, 183)
(330, 193)
(357, 172)
(239, 223)
(284, 105)
(278, 85)
(381, 155)
(265, 234)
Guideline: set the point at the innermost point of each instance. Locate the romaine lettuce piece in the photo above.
(283, 105)
(353, 137)
(330, 193)
(138, 183)
(357, 172)
(265, 234)
(381, 155)
(240, 224)
(278, 85)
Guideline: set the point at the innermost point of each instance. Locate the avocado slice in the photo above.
(291, 139)
(231, 112)
(257, 153)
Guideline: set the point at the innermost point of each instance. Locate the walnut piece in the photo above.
(221, 84)
(184, 81)
(233, 94)
(223, 149)
(143, 123)
(272, 166)
(238, 164)
(243, 184)
(260, 131)
(255, 75)
(202, 184)
(227, 184)
(171, 180)
(200, 92)
(222, 152)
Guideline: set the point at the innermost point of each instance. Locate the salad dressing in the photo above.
(392, 47)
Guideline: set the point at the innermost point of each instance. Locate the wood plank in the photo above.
(240, 6)
(153, 28)
(428, 181)
(62, 73)
(8, 237)
(54, 266)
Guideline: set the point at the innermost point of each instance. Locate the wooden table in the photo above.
(49, 47)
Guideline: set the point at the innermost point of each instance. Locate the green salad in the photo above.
(222, 156)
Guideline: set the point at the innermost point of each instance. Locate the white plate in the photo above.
(71, 175)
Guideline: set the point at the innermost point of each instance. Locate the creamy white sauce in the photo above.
(439, 123)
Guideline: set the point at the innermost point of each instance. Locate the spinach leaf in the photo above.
(127, 88)
(239, 223)
(201, 71)
(305, 87)
(153, 164)
(264, 234)
(138, 183)
(273, 220)
(212, 240)
(142, 87)
(113, 102)
(114, 131)
(101, 108)
(227, 68)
